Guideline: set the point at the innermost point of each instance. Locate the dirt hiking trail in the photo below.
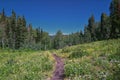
(58, 74)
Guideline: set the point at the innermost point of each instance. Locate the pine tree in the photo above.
(81, 36)
(3, 17)
(38, 35)
(2, 29)
(115, 18)
(30, 36)
(13, 29)
(20, 32)
(91, 27)
(105, 27)
(87, 35)
(18, 35)
(98, 30)
(8, 34)
(29, 33)
(23, 30)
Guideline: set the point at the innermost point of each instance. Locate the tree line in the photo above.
(15, 34)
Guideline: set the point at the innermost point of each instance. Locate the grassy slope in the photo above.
(25, 65)
(91, 61)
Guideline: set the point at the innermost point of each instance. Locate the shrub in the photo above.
(78, 54)
(73, 69)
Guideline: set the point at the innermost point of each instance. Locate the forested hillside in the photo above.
(15, 34)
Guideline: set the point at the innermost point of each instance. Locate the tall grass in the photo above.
(25, 65)
(93, 61)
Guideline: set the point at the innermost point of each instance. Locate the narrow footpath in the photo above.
(58, 74)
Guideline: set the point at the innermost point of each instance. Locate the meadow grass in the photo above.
(25, 65)
(91, 61)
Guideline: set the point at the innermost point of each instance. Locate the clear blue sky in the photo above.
(52, 15)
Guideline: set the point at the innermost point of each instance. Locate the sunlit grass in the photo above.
(25, 65)
(92, 61)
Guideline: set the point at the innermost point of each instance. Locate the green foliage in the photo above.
(15, 34)
(20, 32)
(58, 40)
(66, 50)
(92, 27)
(78, 53)
(105, 27)
(38, 35)
(76, 69)
(115, 18)
(3, 16)
(25, 65)
(87, 35)
(92, 61)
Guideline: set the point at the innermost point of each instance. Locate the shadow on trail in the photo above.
(58, 74)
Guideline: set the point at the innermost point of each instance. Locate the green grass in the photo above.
(91, 61)
(25, 65)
